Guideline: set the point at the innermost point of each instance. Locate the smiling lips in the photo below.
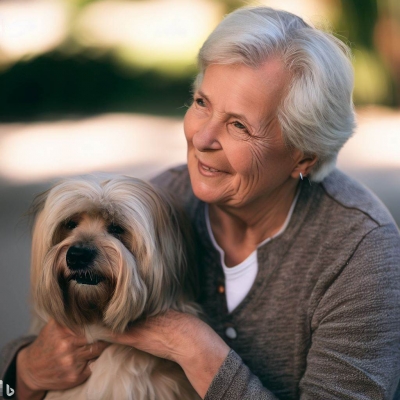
(208, 171)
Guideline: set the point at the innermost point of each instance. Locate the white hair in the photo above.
(317, 114)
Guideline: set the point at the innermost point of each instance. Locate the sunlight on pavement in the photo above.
(30, 28)
(111, 142)
(40, 151)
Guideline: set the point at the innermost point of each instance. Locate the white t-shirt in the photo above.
(240, 278)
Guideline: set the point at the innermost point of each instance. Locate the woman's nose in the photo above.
(207, 138)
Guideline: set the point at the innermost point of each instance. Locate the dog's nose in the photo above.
(80, 257)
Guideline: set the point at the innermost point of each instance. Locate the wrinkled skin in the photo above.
(58, 359)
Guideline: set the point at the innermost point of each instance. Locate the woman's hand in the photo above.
(58, 359)
(182, 338)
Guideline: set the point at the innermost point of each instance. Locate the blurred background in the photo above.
(102, 85)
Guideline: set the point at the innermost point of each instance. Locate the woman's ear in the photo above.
(304, 166)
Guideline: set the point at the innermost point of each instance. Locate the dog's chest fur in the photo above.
(125, 373)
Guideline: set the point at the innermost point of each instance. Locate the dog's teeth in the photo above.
(87, 277)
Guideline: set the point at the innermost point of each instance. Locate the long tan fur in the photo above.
(143, 272)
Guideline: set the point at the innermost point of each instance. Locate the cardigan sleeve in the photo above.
(355, 351)
(8, 359)
(355, 345)
(234, 381)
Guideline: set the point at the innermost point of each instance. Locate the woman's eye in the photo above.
(200, 102)
(115, 230)
(70, 225)
(240, 126)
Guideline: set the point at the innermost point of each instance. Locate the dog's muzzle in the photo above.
(79, 260)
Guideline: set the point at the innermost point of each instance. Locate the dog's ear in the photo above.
(37, 206)
(39, 246)
(185, 235)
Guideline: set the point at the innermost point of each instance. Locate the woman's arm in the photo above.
(355, 351)
(8, 360)
(355, 346)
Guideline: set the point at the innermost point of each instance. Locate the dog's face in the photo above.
(91, 255)
(105, 252)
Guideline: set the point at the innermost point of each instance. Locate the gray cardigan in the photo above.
(322, 319)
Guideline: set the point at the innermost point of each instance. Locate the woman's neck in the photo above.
(239, 230)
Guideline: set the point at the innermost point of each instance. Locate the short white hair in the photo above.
(317, 114)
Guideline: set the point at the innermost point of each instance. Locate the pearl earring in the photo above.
(301, 176)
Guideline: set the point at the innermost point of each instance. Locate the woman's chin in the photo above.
(207, 191)
(204, 192)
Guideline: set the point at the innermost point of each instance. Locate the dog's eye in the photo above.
(71, 225)
(115, 230)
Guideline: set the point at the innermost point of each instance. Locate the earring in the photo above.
(301, 176)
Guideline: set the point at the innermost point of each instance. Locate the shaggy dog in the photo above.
(107, 253)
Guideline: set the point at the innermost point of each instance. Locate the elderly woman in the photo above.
(299, 265)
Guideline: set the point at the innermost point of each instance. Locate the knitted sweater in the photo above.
(322, 319)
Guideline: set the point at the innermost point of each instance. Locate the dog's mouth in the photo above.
(86, 278)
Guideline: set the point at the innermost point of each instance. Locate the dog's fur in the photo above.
(105, 253)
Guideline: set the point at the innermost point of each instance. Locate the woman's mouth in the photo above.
(207, 170)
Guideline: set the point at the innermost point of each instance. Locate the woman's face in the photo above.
(236, 154)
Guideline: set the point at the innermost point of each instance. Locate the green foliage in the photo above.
(358, 21)
(51, 85)
(78, 83)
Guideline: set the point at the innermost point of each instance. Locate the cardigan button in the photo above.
(230, 332)
(221, 289)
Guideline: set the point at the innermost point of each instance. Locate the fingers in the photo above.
(53, 325)
(58, 358)
(79, 341)
(93, 350)
(62, 332)
(90, 364)
(86, 372)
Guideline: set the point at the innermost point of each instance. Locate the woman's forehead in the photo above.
(239, 89)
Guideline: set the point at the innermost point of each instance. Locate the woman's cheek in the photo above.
(240, 156)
